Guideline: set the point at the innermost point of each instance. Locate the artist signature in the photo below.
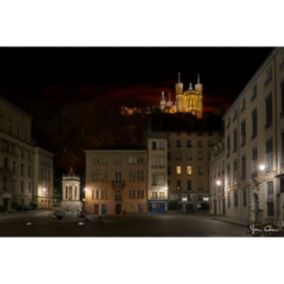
(264, 229)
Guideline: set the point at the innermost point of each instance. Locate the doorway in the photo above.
(104, 209)
(96, 209)
(6, 203)
(118, 209)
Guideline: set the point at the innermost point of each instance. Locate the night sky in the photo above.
(72, 91)
(131, 76)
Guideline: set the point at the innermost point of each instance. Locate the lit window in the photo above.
(189, 170)
(178, 170)
(161, 194)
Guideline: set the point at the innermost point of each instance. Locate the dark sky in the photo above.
(125, 76)
(71, 92)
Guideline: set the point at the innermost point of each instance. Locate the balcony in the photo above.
(158, 198)
(158, 166)
(118, 184)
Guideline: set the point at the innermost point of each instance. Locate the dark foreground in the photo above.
(168, 225)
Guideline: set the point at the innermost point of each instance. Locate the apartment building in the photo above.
(26, 171)
(43, 178)
(157, 173)
(116, 180)
(254, 146)
(188, 168)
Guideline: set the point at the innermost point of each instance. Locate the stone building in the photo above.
(116, 180)
(188, 168)
(157, 173)
(216, 179)
(43, 178)
(254, 146)
(26, 171)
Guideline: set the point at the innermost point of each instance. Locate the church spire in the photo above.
(190, 86)
(198, 78)
(71, 172)
(178, 77)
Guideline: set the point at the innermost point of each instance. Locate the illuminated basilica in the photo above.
(187, 101)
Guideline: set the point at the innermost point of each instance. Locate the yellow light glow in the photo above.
(178, 170)
(189, 170)
(262, 167)
(218, 182)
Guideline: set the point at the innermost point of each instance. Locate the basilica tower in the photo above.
(188, 101)
(162, 101)
(179, 95)
(199, 88)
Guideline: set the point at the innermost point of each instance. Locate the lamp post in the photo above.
(84, 199)
(254, 207)
(257, 182)
(216, 200)
(184, 200)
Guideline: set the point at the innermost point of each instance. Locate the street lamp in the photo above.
(262, 167)
(216, 202)
(184, 200)
(218, 182)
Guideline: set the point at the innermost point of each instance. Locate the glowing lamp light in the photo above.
(184, 199)
(44, 190)
(218, 182)
(262, 167)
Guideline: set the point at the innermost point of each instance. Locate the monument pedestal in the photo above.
(72, 208)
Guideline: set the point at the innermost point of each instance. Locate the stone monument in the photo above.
(71, 203)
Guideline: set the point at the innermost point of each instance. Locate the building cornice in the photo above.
(15, 107)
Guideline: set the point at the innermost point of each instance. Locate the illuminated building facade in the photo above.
(43, 178)
(116, 181)
(188, 170)
(26, 171)
(187, 101)
(254, 147)
(157, 173)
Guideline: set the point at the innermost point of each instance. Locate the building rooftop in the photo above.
(12, 105)
(119, 148)
(186, 123)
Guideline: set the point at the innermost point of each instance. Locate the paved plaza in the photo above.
(40, 223)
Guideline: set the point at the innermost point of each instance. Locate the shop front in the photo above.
(156, 206)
